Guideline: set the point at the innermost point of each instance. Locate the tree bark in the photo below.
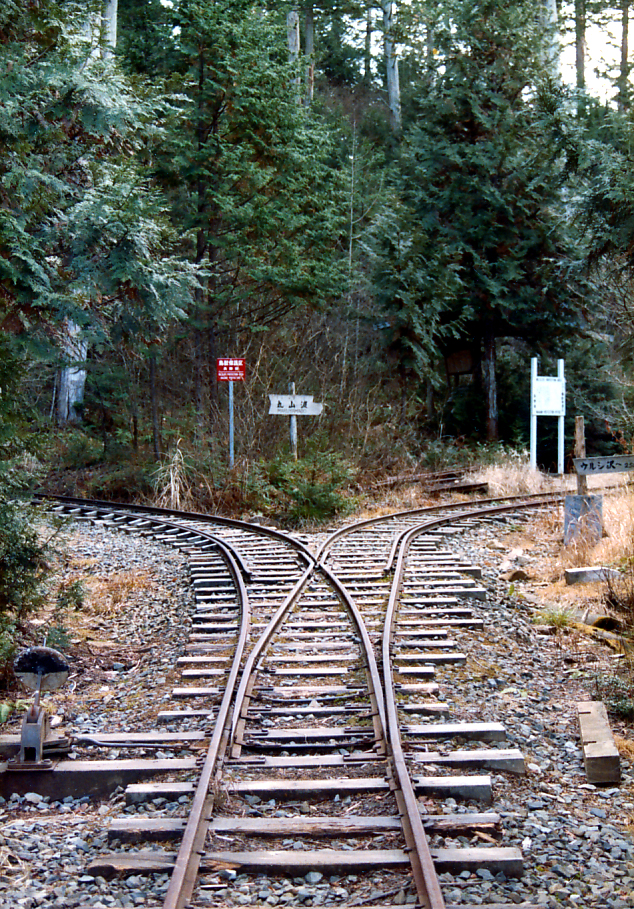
(490, 386)
(580, 42)
(310, 54)
(367, 50)
(391, 65)
(292, 31)
(109, 27)
(553, 46)
(156, 436)
(72, 376)
(624, 69)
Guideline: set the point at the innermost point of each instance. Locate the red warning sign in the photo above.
(231, 369)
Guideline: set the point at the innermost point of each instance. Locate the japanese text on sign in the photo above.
(298, 405)
(603, 465)
(549, 396)
(231, 369)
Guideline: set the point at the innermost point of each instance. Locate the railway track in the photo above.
(310, 676)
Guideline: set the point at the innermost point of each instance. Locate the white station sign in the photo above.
(294, 405)
(549, 396)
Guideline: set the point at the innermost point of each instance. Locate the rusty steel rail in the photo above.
(511, 503)
(463, 515)
(246, 679)
(424, 872)
(183, 878)
(381, 690)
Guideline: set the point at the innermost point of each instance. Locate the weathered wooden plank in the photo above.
(292, 789)
(97, 779)
(137, 830)
(309, 733)
(508, 759)
(312, 657)
(495, 858)
(421, 672)
(291, 861)
(600, 754)
(313, 691)
(476, 788)
(309, 760)
(507, 859)
(435, 658)
(481, 732)
(137, 793)
(140, 739)
(305, 826)
(195, 692)
(309, 672)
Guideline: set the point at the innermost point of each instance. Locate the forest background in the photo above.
(393, 207)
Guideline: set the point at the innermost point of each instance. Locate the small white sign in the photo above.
(294, 405)
(549, 396)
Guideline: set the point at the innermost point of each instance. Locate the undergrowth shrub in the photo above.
(617, 688)
(78, 450)
(22, 574)
(313, 488)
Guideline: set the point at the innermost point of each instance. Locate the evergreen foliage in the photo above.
(183, 199)
(82, 234)
(21, 553)
(475, 247)
(247, 170)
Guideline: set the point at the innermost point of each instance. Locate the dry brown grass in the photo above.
(515, 478)
(106, 595)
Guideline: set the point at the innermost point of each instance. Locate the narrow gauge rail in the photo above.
(321, 605)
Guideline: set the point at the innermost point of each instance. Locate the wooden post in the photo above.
(580, 452)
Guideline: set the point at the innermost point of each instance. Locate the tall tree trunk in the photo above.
(156, 435)
(109, 27)
(199, 364)
(72, 376)
(580, 42)
(367, 50)
(490, 385)
(292, 31)
(391, 65)
(553, 45)
(310, 53)
(624, 69)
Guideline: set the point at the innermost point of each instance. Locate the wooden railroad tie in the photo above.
(600, 754)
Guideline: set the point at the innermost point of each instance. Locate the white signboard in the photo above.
(549, 396)
(548, 399)
(617, 464)
(294, 405)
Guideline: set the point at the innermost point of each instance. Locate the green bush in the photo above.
(313, 488)
(22, 567)
(80, 450)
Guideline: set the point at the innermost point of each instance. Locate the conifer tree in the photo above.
(83, 238)
(247, 173)
(474, 248)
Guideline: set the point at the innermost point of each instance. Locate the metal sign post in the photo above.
(293, 425)
(231, 369)
(292, 406)
(548, 399)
